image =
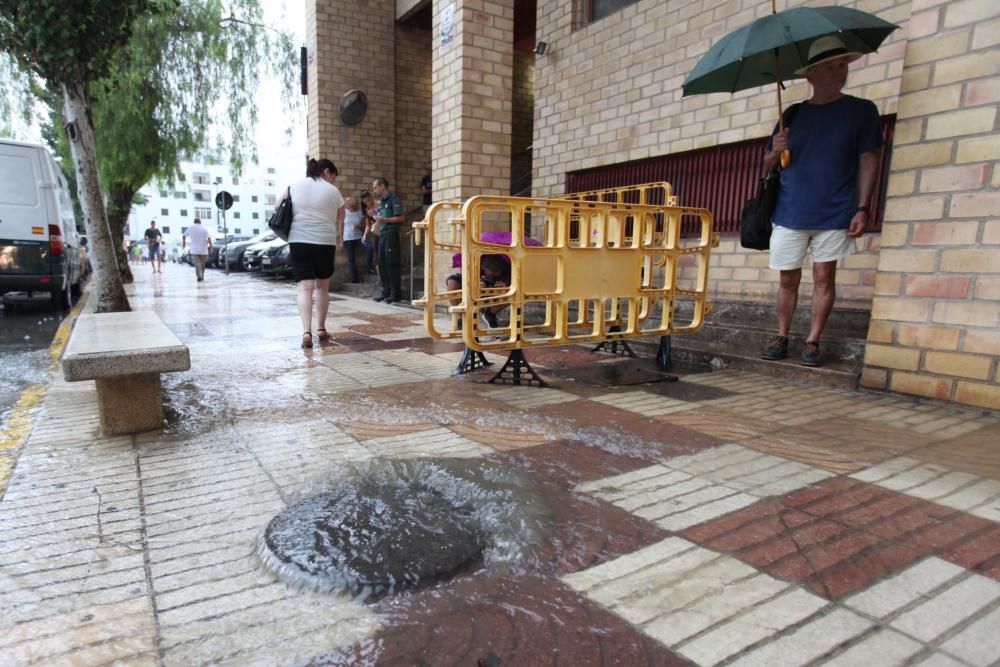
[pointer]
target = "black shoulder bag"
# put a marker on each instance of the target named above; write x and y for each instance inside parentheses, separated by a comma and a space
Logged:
(281, 221)
(755, 220)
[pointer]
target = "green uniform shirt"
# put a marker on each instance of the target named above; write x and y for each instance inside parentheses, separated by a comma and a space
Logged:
(390, 207)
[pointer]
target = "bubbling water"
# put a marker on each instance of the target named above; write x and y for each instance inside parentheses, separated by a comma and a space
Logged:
(388, 525)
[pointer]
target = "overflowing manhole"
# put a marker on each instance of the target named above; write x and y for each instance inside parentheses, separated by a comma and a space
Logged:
(387, 526)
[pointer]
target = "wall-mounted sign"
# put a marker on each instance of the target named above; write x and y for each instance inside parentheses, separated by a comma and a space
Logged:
(448, 23)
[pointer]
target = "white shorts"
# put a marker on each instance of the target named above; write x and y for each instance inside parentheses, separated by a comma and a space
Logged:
(789, 246)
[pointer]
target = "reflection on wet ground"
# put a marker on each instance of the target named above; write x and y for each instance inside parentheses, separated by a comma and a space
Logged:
(27, 326)
(663, 523)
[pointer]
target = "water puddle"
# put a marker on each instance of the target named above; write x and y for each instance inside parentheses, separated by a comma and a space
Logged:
(384, 526)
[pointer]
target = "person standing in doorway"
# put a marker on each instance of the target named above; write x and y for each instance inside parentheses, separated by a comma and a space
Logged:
(391, 218)
(425, 190)
(317, 226)
(354, 229)
(823, 201)
(201, 243)
(153, 237)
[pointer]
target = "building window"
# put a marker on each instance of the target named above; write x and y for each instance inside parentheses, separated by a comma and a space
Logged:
(202, 195)
(164, 211)
(253, 199)
(269, 200)
(184, 213)
(180, 195)
(269, 184)
(236, 215)
(201, 179)
(163, 193)
(166, 230)
(203, 213)
(256, 232)
(270, 170)
(236, 198)
(236, 181)
(184, 230)
(595, 10)
(237, 231)
(256, 215)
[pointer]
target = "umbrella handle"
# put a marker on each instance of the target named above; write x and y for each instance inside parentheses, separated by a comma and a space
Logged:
(786, 158)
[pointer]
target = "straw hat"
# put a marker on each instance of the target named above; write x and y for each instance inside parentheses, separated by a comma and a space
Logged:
(829, 47)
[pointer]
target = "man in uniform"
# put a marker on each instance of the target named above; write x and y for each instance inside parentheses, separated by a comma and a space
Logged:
(823, 201)
(391, 218)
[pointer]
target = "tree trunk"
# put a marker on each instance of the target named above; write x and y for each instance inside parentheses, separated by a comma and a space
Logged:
(120, 196)
(110, 290)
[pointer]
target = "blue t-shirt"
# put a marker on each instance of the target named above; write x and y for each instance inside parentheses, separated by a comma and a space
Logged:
(819, 188)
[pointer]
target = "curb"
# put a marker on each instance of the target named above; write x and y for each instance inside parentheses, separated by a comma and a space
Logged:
(22, 417)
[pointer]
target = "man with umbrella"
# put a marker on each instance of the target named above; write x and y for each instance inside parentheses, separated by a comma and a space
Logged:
(823, 201)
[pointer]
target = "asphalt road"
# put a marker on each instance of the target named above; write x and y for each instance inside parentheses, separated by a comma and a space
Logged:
(27, 327)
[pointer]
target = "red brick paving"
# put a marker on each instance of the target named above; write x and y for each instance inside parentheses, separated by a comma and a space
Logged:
(840, 536)
(487, 619)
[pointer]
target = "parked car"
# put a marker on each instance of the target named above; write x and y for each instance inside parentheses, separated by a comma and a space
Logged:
(276, 261)
(219, 243)
(40, 248)
(253, 254)
(233, 255)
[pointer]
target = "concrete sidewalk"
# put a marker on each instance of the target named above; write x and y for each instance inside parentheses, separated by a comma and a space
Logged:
(729, 518)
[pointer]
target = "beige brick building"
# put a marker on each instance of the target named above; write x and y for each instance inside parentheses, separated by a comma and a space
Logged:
(455, 85)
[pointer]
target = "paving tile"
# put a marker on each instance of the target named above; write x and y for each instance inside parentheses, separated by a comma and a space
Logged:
(977, 643)
(948, 608)
(643, 403)
(886, 647)
(757, 624)
(435, 442)
(973, 452)
(808, 642)
(889, 596)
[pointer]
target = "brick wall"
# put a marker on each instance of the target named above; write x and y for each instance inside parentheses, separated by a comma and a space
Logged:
(353, 42)
(413, 112)
(472, 79)
(611, 92)
(936, 309)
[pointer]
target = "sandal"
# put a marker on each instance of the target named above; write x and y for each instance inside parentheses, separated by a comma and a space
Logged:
(323, 335)
(307, 340)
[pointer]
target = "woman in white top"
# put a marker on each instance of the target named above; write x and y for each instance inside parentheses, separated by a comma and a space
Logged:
(354, 229)
(317, 226)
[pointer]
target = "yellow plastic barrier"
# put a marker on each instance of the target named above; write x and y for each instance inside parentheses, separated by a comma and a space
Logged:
(593, 275)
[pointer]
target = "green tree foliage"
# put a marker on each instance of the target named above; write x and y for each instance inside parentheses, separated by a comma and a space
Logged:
(186, 82)
(67, 47)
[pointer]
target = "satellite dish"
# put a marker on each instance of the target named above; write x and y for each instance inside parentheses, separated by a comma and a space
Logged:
(353, 107)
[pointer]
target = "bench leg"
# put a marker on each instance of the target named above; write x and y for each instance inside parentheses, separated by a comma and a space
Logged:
(130, 404)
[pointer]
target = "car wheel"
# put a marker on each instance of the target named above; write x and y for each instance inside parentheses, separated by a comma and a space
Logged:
(62, 299)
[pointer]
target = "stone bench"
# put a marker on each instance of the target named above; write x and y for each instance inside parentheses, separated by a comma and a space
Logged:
(125, 354)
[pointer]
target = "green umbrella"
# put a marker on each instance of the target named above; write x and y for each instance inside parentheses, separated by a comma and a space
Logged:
(773, 47)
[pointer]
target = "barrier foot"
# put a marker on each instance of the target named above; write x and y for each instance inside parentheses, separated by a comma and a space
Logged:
(620, 348)
(663, 360)
(471, 361)
(515, 367)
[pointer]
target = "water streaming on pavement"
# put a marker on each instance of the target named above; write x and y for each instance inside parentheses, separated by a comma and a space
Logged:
(383, 526)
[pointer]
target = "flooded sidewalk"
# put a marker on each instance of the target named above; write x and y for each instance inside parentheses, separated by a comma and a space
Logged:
(726, 518)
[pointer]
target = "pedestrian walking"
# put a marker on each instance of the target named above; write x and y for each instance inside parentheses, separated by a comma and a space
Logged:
(390, 219)
(823, 200)
(354, 229)
(317, 225)
(201, 243)
(153, 237)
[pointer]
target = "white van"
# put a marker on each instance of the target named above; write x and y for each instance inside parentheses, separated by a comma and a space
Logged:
(39, 244)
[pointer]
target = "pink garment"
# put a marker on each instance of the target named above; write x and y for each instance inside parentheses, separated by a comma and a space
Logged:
(499, 238)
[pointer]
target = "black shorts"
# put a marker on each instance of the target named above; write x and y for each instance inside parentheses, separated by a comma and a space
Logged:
(311, 261)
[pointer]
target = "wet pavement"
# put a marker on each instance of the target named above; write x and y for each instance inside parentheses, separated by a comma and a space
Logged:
(726, 518)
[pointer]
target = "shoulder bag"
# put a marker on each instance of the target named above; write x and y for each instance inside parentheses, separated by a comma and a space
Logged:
(755, 220)
(281, 221)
